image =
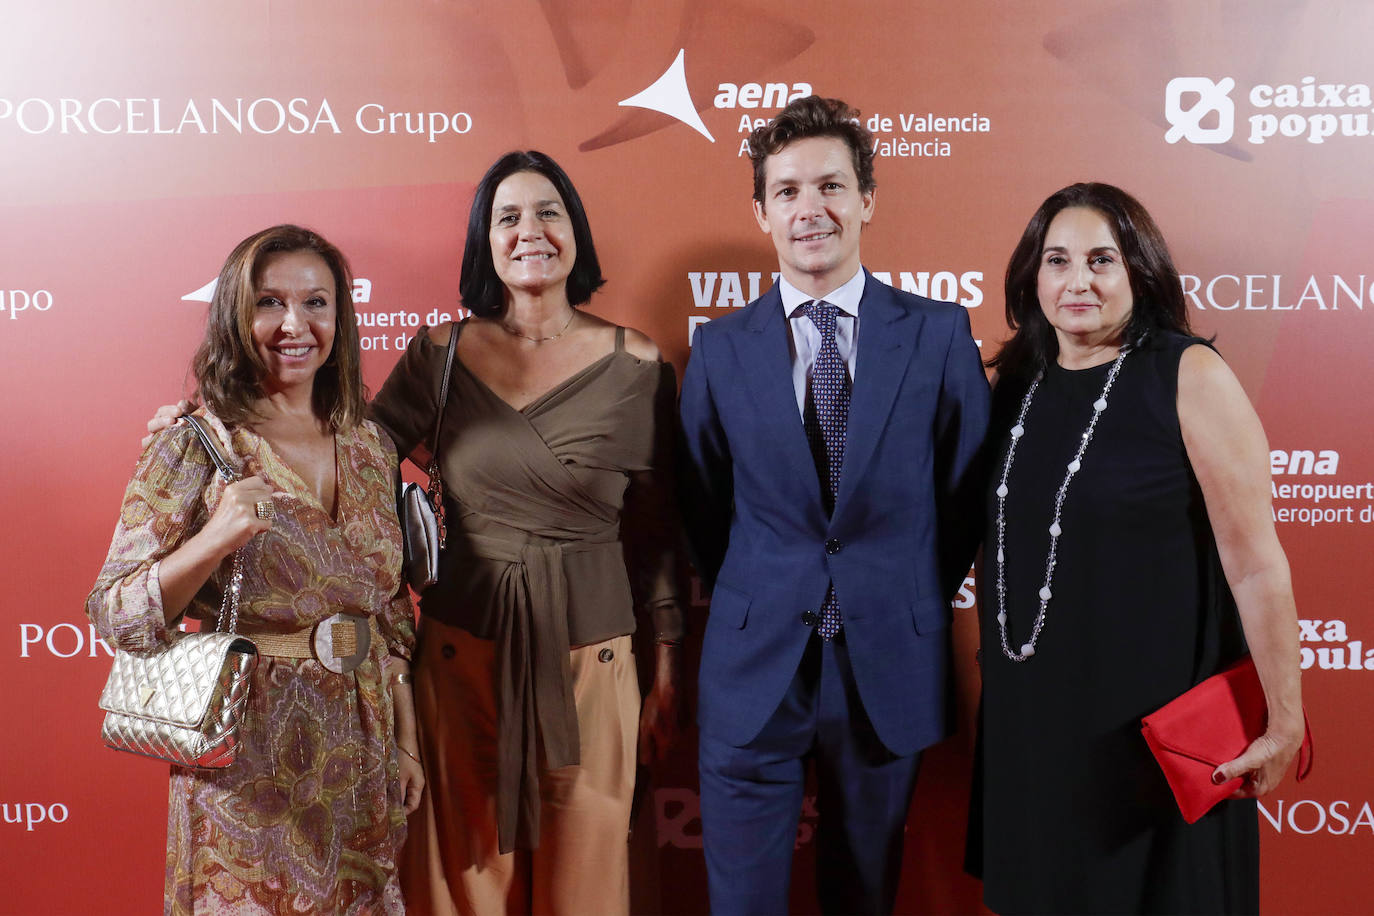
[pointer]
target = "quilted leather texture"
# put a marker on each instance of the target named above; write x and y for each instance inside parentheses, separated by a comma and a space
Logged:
(181, 703)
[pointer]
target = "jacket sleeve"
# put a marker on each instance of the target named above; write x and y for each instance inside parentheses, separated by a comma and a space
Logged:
(960, 456)
(705, 473)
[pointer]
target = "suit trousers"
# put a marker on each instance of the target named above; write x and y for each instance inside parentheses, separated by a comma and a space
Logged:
(751, 798)
(451, 865)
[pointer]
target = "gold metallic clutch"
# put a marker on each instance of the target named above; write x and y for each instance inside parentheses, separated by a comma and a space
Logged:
(182, 702)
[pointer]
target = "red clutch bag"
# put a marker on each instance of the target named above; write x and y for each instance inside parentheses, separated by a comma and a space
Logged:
(1207, 726)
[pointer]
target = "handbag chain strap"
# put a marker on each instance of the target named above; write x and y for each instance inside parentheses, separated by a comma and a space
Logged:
(435, 492)
(229, 474)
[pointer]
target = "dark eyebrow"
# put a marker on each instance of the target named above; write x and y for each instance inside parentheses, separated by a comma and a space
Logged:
(538, 203)
(1060, 249)
(272, 289)
(785, 180)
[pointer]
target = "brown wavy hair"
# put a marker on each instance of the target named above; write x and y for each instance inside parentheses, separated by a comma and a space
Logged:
(229, 373)
(813, 116)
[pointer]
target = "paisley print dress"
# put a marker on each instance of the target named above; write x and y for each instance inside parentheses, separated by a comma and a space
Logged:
(308, 819)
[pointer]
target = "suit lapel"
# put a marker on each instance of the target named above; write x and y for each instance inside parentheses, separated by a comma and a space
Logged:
(767, 364)
(887, 344)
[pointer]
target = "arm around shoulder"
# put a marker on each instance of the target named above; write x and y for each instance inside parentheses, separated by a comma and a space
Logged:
(407, 403)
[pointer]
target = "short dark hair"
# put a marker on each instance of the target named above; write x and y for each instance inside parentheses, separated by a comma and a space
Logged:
(1157, 295)
(480, 288)
(813, 116)
(229, 373)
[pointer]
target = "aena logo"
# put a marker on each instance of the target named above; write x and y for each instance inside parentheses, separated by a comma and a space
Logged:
(1205, 97)
(669, 95)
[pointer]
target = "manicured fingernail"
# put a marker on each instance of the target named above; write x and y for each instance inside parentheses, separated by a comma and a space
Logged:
(1217, 778)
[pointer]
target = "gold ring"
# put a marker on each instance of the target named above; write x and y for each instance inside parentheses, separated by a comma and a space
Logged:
(265, 510)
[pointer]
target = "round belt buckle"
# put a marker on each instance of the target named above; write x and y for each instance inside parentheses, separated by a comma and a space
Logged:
(330, 637)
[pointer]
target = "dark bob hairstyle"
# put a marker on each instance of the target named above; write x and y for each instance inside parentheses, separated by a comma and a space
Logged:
(230, 374)
(480, 288)
(1158, 303)
(813, 116)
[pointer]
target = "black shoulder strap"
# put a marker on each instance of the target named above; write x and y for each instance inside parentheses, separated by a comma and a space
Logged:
(454, 328)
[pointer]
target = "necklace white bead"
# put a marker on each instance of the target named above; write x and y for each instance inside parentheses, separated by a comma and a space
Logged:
(1017, 431)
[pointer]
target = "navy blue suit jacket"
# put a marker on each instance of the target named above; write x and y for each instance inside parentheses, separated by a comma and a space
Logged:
(904, 527)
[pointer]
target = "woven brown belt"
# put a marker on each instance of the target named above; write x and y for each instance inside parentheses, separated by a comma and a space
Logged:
(340, 642)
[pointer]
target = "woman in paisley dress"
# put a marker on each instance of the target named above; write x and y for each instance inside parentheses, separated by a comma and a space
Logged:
(558, 427)
(310, 817)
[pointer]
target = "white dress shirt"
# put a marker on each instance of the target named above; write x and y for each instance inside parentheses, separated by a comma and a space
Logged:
(804, 338)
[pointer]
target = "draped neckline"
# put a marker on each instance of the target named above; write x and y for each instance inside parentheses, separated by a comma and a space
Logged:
(554, 390)
(296, 486)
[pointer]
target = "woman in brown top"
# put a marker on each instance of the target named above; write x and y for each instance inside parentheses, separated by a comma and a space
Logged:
(557, 424)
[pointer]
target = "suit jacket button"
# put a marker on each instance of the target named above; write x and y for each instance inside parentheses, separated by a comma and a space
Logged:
(809, 618)
(832, 546)
(606, 655)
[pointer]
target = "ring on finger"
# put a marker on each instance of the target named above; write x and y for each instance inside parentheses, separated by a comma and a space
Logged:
(265, 509)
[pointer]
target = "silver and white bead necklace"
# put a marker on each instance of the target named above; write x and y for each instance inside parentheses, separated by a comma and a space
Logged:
(1017, 431)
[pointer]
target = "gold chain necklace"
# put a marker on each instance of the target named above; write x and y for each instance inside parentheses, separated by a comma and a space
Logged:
(517, 333)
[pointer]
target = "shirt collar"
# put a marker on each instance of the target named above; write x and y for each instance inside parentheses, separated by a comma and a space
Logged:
(845, 298)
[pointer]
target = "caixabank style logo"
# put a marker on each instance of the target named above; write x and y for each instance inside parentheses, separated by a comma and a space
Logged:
(1202, 110)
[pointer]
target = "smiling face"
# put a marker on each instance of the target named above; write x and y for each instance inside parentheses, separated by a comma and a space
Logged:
(532, 246)
(814, 211)
(294, 316)
(1082, 283)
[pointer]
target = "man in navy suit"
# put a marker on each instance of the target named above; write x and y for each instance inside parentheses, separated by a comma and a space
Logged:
(831, 495)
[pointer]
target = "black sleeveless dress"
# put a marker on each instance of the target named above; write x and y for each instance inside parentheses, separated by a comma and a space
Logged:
(1075, 815)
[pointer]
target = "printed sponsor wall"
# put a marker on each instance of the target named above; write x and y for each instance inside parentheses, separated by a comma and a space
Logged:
(141, 141)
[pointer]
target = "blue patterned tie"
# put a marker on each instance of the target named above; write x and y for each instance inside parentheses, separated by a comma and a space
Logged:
(827, 417)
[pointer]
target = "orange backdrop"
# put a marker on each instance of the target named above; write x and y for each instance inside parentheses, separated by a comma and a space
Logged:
(140, 141)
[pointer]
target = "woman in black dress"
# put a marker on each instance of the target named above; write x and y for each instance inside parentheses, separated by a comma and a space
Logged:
(1130, 554)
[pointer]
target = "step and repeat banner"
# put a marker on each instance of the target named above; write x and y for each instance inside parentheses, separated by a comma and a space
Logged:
(140, 141)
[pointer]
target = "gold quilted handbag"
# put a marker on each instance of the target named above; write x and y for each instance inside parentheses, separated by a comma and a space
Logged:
(183, 702)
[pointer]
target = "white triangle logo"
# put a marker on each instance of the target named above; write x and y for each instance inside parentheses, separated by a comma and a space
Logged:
(204, 294)
(669, 96)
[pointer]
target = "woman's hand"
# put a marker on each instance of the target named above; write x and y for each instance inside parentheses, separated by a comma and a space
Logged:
(166, 416)
(412, 777)
(183, 571)
(1263, 763)
(236, 519)
(660, 720)
(398, 676)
